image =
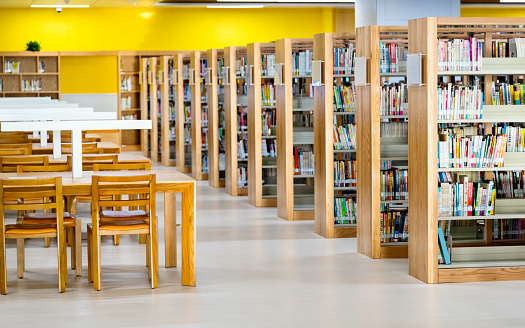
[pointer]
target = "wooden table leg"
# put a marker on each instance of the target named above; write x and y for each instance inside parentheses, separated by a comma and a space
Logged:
(170, 229)
(188, 236)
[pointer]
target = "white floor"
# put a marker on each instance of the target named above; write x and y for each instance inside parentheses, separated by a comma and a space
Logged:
(253, 270)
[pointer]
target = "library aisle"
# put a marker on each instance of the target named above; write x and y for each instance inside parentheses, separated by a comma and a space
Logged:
(254, 270)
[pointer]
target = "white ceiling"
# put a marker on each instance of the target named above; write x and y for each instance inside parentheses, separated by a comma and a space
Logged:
(92, 3)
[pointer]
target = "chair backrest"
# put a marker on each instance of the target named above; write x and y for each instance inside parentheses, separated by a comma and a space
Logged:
(142, 185)
(10, 163)
(90, 147)
(14, 151)
(13, 137)
(28, 146)
(49, 188)
(43, 168)
(122, 167)
(89, 160)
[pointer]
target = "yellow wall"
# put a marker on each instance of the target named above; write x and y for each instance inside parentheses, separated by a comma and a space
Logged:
(93, 74)
(157, 28)
(492, 12)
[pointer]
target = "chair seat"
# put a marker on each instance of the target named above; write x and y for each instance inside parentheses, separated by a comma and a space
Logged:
(48, 218)
(121, 226)
(124, 215)
(24, 199)
(21, 229)
(88, 198)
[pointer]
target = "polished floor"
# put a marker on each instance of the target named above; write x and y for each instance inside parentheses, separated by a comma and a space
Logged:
(253, 270)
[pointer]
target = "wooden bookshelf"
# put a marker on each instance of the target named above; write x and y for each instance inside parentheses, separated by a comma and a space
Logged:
(199, 116)
(182, 121)
(484, 260)
(262, 180)
(235, 102)
(167, 117)
(325, 155)
(295, 192)
(129, 102)
(26, 78)
(215, 117)
(149, 107)
(372, 149)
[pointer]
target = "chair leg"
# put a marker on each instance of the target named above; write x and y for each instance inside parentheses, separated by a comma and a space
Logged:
(70, 236)
(78, 248)
(116, 240)
(148, 255)
(20, 257)
(142, 239)
(90, 254)
(3, 265)
(47, 242)
(152, 264)
(62, 260)
(96, 258)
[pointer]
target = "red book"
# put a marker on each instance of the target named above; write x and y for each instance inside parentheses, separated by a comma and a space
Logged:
(470, 198)
(296, 155)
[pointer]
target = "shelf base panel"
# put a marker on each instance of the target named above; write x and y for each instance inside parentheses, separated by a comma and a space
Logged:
(394, 252)
(345, 233)
(303, 215)
(481, 274)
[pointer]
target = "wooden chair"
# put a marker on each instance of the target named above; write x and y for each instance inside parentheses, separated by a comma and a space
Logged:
(124, 167)
(30, 188)
(89, 147)
(114, 222)
(14, 152)
(89, 160)
(13, 137)
(43, 168)
(10, 163)
(28, 146)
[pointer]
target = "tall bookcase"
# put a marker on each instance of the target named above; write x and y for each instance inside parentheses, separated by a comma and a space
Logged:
(215, 91)
(199, 115)
(30, 74)
(483, 258)
(329, 114)
(382, 143)
(235, 125)
(262, 134)
(167, 113)
(129, 103)
(295, 131)
(182, 113)
(149, 107)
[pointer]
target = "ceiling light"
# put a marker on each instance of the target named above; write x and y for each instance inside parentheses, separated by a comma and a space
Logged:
(515, 1)
(59, 6)
(235, 7)
(315, 1)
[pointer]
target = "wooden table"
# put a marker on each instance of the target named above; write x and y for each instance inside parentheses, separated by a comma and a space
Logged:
(108, 148)
(169, 183)
(123, 158)
(89, 137)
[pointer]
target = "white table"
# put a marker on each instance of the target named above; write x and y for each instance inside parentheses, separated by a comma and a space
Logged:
(76, 128)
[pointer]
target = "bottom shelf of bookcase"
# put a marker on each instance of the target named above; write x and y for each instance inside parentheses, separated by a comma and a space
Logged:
(345, 232)
(394, 251)
(299, 215)
(478, 274)
(269, 201)
(242, 191)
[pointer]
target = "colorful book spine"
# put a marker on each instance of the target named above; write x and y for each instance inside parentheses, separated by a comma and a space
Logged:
(345, 209)
(345, 174)
(457, 102)
(344, 98)
(393, 98)
(303, 162)
(394, 226)
(344, 59)
(345, 137)
(479, 151)
(460, 55)
(394, 184)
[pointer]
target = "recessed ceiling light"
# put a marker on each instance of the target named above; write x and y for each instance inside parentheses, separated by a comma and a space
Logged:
(235, 7)
(59, 6)
(515, 1)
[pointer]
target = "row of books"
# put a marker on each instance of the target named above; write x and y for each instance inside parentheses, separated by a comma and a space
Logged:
(508, 229)
(394, 226)
(186, 71)
(393, 98)
(471, 152)
(302, 62)
(204, 138)
(344, 98)
(41, 66)
(345, 174)
(240, 66)
(242, 149)
(126, 84)
(186, 89)
(220, 68)
(344, 119)
(204, 163)
(394, 184)
(31, 85)
(459, 102)
(394, 129)
(344, 59)
(268, 95)
(460, 197)
(1, 85)
(269, 121)
(242, 119)
(269, 148)
(187, 114)
(187, 135)
(386, 165)
(130, 117)
(508, 94)
(515, 137)
(204, 92)
(515, 47)
(345, 210)
(390, 54)
(204, 115)
(267, 65)
(125, 102)
(303, 161)
(460, 55)
(172, 133)
(510, 184)
(11, 67)
(204, 66)
(242, 177)
(345, 137)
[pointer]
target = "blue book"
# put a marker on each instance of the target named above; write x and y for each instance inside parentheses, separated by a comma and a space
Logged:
(443, 247)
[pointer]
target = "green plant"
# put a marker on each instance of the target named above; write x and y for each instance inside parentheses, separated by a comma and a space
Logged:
(33, 46)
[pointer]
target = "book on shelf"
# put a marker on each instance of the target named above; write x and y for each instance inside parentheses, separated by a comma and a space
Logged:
(269, 121)
(240, 67)
(267, 65)
(172, 133)
(303, 161)
(510, 184)
(204, 65)
(204, 139)
(460, 55)
(220, 67)
(390, 54)
(41, 66)
(186, 71)
(126, 84)
(344, 98)
(130, 117)
(394, 129)
(242, 149)
(269, 148)
(125, 103)
(302, 63)
(345, 209)
(1, 85)
(508, 94)
(386, 165)
(459, 102)
(187, 92)
(11, 67)
(394, 184)
(242, 120)
(345, 174)
(205, 163)
(515, 47)
(344, 137)
(505, 229)
(344, 59)
(31, 85)
(187, 114)
(393, 97)
(187, 135)
(204, 115)
(477, 151)
(242, 177)
(268, 95)
(394, 226)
